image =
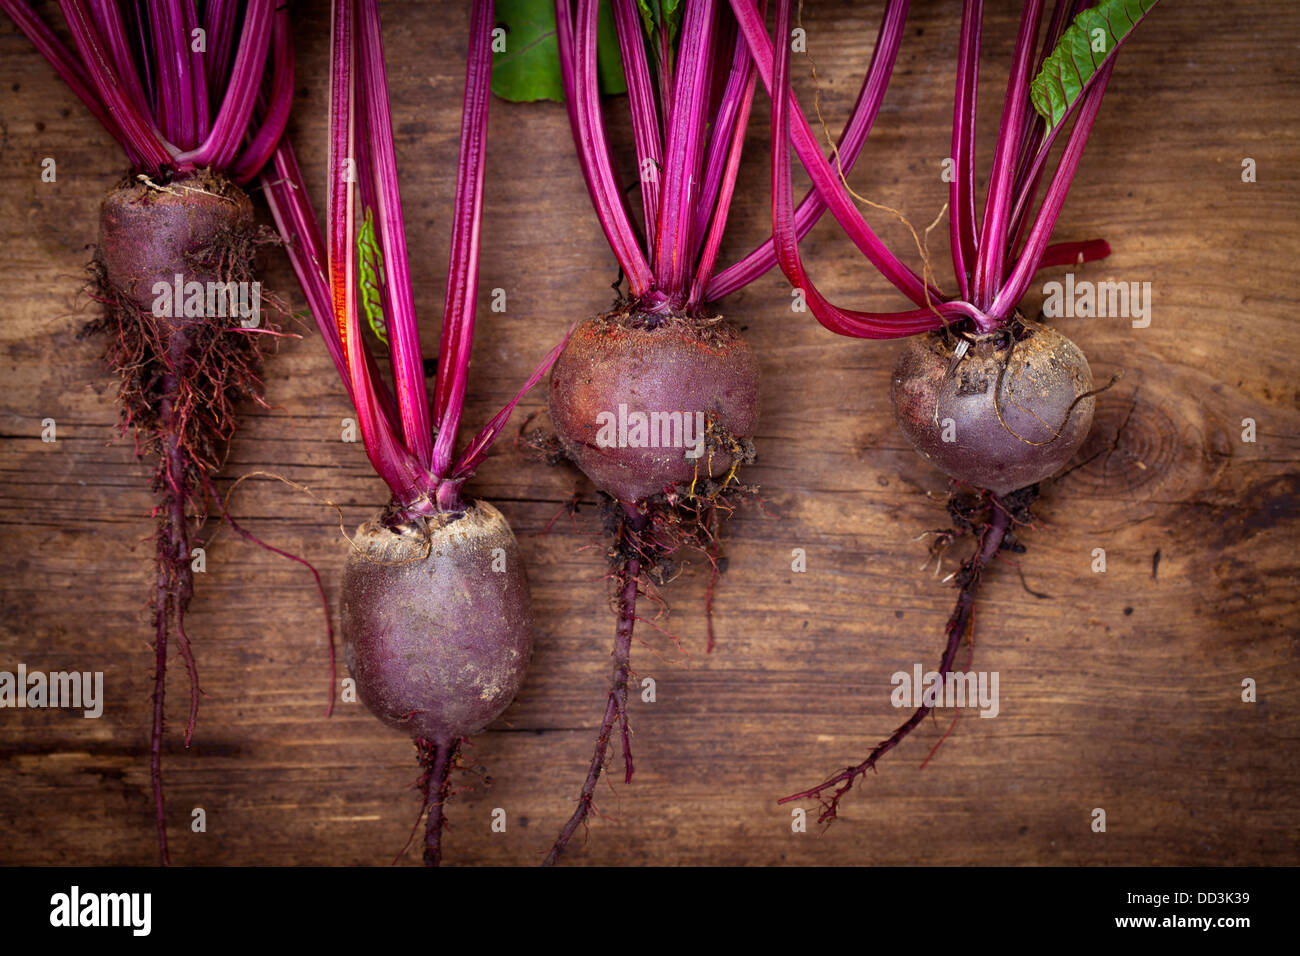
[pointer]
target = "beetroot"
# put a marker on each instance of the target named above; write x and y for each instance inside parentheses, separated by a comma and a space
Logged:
(174, 264)
(150, 234)
(653, 406)
(692, 379)
(436, 622)
(657, 400)
(437, 632)
(181, 375)
(998, 403)
(435, 606)
(1008, 413)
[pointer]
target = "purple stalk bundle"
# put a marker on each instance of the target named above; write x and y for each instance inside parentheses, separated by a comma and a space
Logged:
(198, 104)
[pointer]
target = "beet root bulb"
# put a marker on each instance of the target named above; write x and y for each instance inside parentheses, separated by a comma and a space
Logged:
(642, 403)
(192, 227)
(1008, 413)
(436, 621)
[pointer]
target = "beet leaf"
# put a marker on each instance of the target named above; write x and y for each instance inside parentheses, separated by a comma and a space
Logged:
(528, 69)
(1091, 40)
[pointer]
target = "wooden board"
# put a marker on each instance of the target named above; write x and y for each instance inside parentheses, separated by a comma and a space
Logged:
(1119, 690)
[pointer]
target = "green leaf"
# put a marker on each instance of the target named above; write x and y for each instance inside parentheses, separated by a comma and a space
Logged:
(1086, 45)
(528, 68)
(609, 60)
(370, 263)
(653, 12)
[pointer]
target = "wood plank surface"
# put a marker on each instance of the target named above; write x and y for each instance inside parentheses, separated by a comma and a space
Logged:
(1120, 690)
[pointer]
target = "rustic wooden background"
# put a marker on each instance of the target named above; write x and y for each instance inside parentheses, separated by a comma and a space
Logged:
(1119, 690)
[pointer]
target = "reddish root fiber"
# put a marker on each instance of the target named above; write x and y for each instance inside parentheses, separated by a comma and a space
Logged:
(175, 581)
(616, 702)
(646, 539)
(161, 602)
(174, 373)
(993, 524)
(715, 571)
(437, 760)
(633, 559)
(320, 586)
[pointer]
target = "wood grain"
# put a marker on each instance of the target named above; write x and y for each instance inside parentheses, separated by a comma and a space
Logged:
(1119, 690)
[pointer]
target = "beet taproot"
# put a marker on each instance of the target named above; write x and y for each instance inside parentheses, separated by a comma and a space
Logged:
(1008, 413)
(692, 379)
(436, 621)
(149, 234)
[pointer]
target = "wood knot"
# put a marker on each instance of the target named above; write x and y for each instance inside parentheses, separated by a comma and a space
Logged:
(1132, 447)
